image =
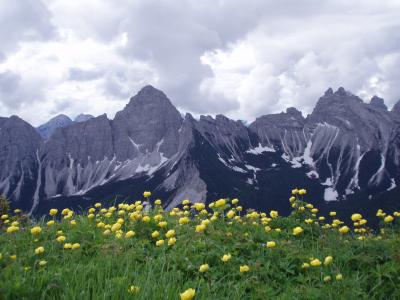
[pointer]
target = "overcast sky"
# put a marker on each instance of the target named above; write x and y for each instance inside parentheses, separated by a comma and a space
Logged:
(241, 58)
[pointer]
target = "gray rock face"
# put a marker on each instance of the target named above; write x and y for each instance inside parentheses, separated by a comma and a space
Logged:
(82, 118)
(284, 131)
(335, 140)
(19, 143)
(84, 155)
(48, 128)
(147, 122)
(378, 103)
(343, 146)
(396, 108)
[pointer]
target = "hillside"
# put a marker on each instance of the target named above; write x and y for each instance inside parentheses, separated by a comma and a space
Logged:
(195, 251)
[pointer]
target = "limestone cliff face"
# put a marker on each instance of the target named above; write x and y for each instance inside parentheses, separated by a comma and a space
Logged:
(344, 147)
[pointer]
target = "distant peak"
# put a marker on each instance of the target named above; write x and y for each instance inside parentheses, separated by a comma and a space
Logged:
(149, 94)
(378, 103)
(329, 92)
(293, 111)
(341, 91)
(149, 89)
(83, 117)
(396, 107)
(60, 118)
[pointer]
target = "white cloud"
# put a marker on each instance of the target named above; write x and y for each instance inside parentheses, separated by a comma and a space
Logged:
(241, 58)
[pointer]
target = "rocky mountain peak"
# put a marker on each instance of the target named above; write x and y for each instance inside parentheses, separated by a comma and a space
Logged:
(48, 128)
(328, 92)
(396, 107)
(150, 120)
(378, 103)
(294, 112)
(83, 117)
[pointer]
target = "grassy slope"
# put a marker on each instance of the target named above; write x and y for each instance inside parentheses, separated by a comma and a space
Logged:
(105, 267)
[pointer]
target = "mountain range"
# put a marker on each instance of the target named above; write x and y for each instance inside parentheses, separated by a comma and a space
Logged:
(346, 153)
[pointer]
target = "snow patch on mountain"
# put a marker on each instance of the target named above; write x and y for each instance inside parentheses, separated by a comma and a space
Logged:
(260, 149)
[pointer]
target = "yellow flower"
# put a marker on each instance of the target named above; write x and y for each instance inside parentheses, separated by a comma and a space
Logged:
(171, 241)
(116, 227)
(271, 244)
(157, 202)
(185, 202)
(107, 232)
(39, 250)
(17, 211)
(97, 205)
(12, 229)
(302, 192)
(244, 269)
(146, 194)
(160, 243)
(73, 222)
(339, 277)
(205, 222)
(327, 278)
(226, 257)
(65, 211)
(53, 211)
(13, 257)
(75, 246)
(356, 217)
(170, 233)
(183, 220)
(328, 260)
(315, 262)
(42, 263)
(363, 222)
(36, 230)
(235, 201)
(314, 210)
(162, 224)
(90, 216)
(130, 234)
(344, 229)
(204, 268)
(61, 239)
(220, 203)
(309, 221)
(199, 206)
(305, 265)
(146, 219)
(133, 289)
(188, 294)
(388, 219)
(295, 191)
(332, 213)
(274, 214)
(50, 223)
(67, 246)
(297, 230)
(200, 228)
(155, 234)
(230, 214)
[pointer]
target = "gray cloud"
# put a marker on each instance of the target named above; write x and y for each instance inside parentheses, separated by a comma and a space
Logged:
(23, 20)
(14, 91)
(83, 75)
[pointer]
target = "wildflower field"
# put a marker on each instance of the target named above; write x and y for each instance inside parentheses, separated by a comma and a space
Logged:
(194, 251)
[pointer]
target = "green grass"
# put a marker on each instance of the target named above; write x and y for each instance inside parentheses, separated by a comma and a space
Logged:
(104, 267)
